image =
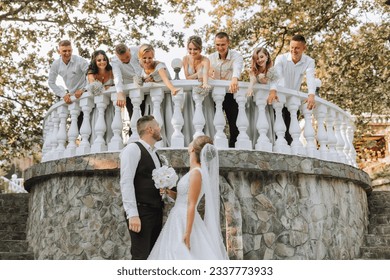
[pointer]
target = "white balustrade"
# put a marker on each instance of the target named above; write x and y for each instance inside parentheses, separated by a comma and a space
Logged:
(136, 96)
(116, 142)
(199, 120)
(263, 143)
(220, 139)
(99, 143)
(73, 131)
(281, 145)
(157, 96)
(309, 131)
(327, 132)
(242, 123)
(61, 135)
(177, 139)
(322, 135)
(293, 105)
(86, 105)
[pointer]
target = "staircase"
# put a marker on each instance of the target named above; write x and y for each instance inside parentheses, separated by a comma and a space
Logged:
(13, 223)
(377, 241)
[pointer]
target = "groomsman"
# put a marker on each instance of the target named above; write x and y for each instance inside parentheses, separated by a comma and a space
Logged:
(73, 70)
(125, 66)
(227, 64)
(141, 199)
(291, 68)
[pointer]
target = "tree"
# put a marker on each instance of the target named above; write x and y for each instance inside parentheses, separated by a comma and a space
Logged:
(29, 29)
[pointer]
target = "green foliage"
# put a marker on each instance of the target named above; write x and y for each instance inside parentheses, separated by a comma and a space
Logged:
(28, 27)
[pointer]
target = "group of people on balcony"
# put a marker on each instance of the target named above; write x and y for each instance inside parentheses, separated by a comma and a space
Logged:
(138, 65)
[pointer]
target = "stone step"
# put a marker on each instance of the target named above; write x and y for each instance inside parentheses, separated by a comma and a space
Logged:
(379, 219)
(379, 229)
(22, 226)
(12, 218)
(13, 246)
(17, 256)
(375, 253)
(12, 235)
(377, 240)
(379, 210)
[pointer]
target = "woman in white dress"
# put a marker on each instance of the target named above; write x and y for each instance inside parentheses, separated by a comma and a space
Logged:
(263, 72)
(196, 67)
(100, 78)
(185, 234)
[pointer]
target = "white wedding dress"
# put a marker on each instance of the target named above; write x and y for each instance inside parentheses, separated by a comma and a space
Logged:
(170, 244)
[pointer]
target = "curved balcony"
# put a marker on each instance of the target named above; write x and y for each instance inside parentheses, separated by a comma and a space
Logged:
(324, 133)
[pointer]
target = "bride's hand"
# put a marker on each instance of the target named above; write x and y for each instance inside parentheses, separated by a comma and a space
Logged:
(187, 241)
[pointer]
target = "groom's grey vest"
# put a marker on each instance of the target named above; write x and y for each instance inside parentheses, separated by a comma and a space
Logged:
(146, 193)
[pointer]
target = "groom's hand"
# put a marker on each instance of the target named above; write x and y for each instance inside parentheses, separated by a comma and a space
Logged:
(135, 224)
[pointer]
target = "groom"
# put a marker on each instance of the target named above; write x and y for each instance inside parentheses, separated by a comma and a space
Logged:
(141, 199)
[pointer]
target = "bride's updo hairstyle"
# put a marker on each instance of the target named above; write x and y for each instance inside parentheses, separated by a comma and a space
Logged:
(198, 144)
(145, 48)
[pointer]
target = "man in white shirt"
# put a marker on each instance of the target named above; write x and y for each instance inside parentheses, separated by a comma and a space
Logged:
(73, 70)
(227, 64)
(291, 67)
(141, 199)
(125, 66)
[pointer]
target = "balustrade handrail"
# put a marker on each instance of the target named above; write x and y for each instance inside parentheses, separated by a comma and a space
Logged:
(325, 132)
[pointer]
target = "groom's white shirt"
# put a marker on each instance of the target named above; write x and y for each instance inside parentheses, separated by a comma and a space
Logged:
(130, 157)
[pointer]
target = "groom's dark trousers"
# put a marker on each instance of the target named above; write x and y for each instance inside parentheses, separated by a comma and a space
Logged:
(149, 206)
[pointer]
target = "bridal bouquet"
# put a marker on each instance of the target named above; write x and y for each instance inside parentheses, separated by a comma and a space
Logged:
(96, 88)
(164, 178)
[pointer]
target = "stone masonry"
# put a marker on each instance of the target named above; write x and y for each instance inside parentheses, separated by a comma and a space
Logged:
(273, 207)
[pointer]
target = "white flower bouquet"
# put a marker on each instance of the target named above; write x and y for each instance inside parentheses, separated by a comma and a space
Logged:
(96, 88)
(165, 178)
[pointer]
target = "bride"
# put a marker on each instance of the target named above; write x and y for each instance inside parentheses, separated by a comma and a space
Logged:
(185, 235)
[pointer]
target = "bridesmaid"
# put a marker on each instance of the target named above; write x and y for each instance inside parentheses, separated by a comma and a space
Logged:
(100, 78)
(263, 72)
(196, 67)
(156, 71)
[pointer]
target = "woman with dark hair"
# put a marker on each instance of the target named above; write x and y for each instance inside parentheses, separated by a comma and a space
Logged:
(263, 72)
(100, 78)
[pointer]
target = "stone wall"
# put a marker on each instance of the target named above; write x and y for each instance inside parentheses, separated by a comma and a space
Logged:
(274, 207)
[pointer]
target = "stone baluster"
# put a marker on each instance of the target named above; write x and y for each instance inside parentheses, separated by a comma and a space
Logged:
(309, 132)
(99, 144)
(343, 130)
(293, 104)
(332, 140)
(54, 143)
(340, 141)
(73, 131)
(177, 139)
(116, 142)
(136, 97)
(220, 139)
(322, 136)
(198, 120)
(243, 141)
(263, 143)
(86, 104)
(61, 135)
(352, 151)
(48, 137)
(281, 145)
(157, 96)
